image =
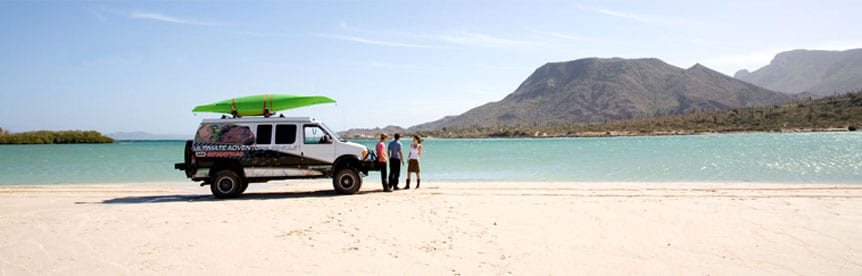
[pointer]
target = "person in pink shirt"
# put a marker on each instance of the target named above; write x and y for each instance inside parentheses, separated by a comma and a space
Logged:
(381, 161)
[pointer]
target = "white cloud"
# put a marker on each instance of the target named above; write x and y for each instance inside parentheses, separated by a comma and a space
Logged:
(98, 13)
(344, 26)
(484, 40)
(392, 66)
(166, 18)
(632, 16)
(256, 34)
(432, 40)
(505, 67)
(373, 42)
(400, 66)
(565, 36)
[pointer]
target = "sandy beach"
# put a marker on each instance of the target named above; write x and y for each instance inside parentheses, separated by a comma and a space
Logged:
(301, 227)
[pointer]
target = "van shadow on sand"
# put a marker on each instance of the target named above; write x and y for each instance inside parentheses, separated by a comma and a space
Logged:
(246, 196)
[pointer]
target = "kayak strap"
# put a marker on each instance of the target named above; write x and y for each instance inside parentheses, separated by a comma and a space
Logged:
(265, 111)
(264, 104)
(233, 108)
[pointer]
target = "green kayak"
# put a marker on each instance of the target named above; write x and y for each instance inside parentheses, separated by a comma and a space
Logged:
(261, 104)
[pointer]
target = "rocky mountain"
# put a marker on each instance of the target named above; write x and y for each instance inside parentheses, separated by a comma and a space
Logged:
(821, 73)
(598, 89)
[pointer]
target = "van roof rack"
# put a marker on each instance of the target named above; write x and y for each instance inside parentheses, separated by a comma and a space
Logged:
(280, 117)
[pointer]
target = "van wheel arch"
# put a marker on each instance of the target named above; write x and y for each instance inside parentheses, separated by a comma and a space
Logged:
(227, 165)
(345, 161)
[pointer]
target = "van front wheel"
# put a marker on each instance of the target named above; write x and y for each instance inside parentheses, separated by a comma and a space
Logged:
(347, 181)
(226, 184)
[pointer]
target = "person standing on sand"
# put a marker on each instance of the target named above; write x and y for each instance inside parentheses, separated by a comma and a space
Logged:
(396, 159)
(381, 161)
(413, 163)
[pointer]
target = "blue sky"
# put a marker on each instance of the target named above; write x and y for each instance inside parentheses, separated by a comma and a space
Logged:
(142, 66)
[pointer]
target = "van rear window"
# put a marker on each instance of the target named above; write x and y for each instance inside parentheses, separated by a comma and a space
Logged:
(285, 134)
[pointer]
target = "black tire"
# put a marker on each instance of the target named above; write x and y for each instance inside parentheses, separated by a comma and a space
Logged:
(347, 181)
(244, 186)
(187, 154)
(187, 159)
(226, 184)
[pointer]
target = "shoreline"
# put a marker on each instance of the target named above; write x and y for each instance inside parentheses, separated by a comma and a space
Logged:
(589, 134)
(372, 182)
(443, 228)
(599, 134)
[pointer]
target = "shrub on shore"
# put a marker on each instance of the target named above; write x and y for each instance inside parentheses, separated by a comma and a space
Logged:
(54, 137)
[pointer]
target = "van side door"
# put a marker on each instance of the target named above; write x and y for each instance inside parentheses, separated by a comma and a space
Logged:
(286, 147)
(262, 155)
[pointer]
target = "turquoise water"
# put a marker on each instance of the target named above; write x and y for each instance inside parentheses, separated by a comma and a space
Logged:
(91, 163)
(772, 158)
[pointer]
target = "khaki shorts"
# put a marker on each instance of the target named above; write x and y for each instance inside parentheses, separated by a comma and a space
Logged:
(413, 166)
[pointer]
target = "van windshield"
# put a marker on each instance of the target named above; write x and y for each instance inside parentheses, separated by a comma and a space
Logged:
(333, 133)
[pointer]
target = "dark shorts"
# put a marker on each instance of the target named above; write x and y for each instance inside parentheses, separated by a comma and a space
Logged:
(413, 166)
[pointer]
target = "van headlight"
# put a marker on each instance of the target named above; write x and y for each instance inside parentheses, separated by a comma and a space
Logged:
(364, 154)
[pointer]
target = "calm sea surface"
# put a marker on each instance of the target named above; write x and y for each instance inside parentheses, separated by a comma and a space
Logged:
(774, 158)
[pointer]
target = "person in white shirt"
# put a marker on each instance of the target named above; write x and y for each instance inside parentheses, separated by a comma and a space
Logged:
(413, 162)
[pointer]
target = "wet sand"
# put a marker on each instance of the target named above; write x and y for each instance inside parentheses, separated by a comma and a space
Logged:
(444, 228)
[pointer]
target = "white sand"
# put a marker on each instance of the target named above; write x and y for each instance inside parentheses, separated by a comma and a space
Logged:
(444, 228)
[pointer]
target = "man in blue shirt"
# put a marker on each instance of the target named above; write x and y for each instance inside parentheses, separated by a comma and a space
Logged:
(396, 159)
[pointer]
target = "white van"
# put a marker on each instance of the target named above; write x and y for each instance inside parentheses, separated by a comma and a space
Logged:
(230, 153)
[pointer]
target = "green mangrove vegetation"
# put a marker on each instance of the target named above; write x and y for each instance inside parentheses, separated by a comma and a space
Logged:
(54, 137)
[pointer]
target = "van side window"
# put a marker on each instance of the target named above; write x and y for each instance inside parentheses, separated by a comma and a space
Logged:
(264, 134)
(315, 135)
(285, 134)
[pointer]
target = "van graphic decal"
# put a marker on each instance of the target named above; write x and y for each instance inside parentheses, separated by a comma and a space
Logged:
(225, 133)
(225, 154)
(252, 155)
(222, 147)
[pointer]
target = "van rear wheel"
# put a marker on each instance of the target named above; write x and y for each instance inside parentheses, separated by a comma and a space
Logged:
(226, 184)
(347, 181)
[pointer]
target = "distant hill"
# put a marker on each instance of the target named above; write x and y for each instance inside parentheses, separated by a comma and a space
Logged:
(821, 73)
(834, 113)
(598, 89)
(371, 133)
(140, 135)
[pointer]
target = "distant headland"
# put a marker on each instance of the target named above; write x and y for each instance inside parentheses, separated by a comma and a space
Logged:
(54, 137)
(835, 113)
